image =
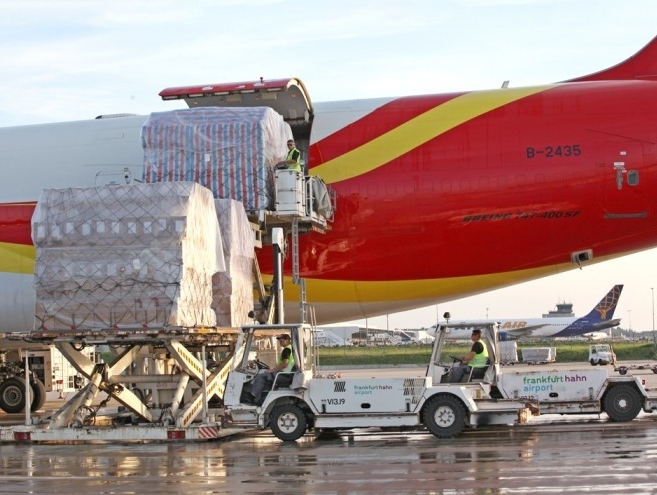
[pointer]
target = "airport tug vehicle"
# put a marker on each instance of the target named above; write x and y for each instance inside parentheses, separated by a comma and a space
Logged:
(305, 399)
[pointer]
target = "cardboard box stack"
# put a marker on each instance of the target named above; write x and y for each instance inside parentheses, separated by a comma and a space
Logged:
(126, 256)
(231, 151)
(233, 289)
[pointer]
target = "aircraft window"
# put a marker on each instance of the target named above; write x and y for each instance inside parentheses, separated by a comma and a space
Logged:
(633, 177)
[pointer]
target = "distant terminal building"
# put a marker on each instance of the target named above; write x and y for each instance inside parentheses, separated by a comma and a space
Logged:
(563, 309)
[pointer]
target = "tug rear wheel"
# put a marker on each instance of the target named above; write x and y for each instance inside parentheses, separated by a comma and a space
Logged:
(288, 422)
(622, 403)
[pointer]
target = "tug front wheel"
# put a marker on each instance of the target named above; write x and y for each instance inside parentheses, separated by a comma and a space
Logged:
(444, 416)
(288, 422)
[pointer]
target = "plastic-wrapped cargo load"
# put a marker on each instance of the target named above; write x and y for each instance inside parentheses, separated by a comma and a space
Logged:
(508, 352)
(125, 256)
(231, 151)
(233, 289)
(539, 355)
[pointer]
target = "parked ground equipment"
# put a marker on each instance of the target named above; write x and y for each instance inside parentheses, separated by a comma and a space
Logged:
(601, 354)
(508, 352)
(623, 369)
(539, 355)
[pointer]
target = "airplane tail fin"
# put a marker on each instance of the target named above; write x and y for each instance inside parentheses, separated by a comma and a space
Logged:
(642, 66)
(604, 310)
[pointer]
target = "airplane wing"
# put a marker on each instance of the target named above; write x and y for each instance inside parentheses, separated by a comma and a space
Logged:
(516, 333)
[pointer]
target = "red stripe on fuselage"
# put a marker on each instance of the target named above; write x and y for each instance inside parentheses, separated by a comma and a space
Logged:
(15, 223)
(373, 125)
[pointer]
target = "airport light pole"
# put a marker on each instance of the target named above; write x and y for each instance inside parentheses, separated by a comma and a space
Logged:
(629, 311)
(654, 337)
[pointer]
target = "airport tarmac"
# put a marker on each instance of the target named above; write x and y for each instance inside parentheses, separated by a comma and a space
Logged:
(573, 454)
(582, 457)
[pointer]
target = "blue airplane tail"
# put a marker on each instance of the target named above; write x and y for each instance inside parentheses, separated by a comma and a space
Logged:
(604, 310)
(600, 317)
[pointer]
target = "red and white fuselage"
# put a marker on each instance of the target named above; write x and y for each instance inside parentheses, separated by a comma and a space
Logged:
(439, 196)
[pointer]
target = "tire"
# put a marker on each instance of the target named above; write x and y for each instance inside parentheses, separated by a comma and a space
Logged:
(12, 395)
(622, 403)
(622, 371)
(444, 416)
(288, 422)
(592, 362)
(38, 394)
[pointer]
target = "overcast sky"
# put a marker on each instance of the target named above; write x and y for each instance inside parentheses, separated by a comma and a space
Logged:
(74, 59)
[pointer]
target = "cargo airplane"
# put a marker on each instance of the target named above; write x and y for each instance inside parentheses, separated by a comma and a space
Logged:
(599, 318)
(439, 196)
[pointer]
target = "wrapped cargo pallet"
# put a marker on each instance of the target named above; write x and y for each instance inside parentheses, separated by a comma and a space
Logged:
(125, 256)
(233, 289)
(231, 151)
(508, 352)
(539, 355)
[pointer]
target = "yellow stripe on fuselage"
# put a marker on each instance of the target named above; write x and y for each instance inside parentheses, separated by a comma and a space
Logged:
(17, 258)
(343, 291)
(418, 131)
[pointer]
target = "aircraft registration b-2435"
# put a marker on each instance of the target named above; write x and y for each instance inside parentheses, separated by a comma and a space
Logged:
(439, 196)
(599, 318)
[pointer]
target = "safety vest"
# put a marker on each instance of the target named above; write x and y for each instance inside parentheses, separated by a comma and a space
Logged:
(290, 360)
(297, 163)
(480, 360)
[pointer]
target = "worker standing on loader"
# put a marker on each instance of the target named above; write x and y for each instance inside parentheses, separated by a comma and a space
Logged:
(293, 159)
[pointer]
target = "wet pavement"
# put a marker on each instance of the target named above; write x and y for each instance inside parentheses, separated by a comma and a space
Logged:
(585, 457)
(553, 454)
